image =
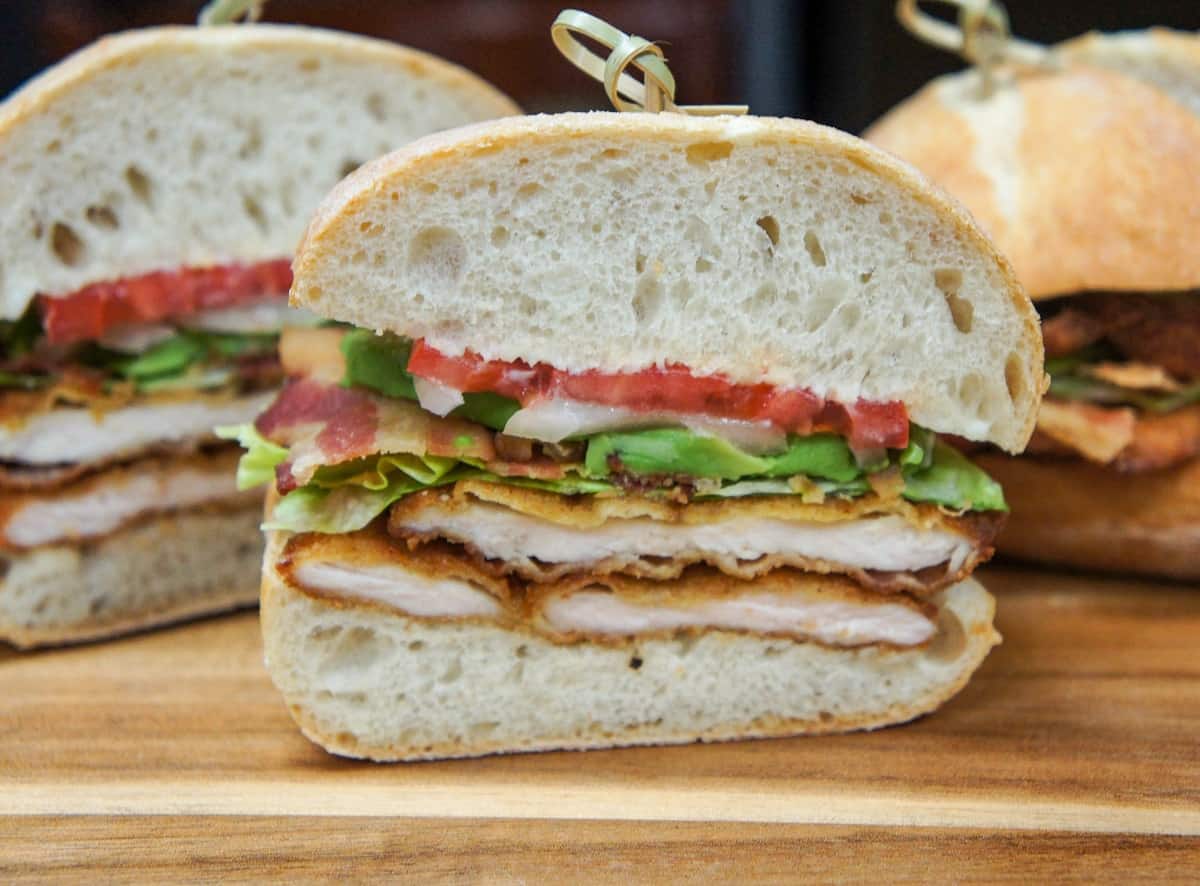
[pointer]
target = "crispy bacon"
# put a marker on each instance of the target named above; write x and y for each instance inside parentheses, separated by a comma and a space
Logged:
(1134, 376)
(327, 424)
(1148, 441)
(1097, 432)
(89, 313)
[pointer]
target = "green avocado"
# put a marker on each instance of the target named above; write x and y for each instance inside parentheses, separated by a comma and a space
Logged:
(380, 363)
(951, 480)
(820, 455)
(670, 451)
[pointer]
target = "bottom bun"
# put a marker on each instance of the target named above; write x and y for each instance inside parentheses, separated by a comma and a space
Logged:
(167, 569)
(1072, 513)
(362, 681)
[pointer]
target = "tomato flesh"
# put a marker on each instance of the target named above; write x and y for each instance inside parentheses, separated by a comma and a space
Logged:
(161, 295)
(671, 388)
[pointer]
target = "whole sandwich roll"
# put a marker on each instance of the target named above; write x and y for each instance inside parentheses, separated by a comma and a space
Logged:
(1085, 175)
(627, 434)
(153, 187)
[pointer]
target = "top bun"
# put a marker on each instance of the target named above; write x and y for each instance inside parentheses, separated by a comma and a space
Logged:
(172, 147)
(766, 250)
(1085, 177)
(1170, 60)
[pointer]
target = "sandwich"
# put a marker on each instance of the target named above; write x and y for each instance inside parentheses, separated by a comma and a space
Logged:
(1084, 175)
(627, 433)
(153, 188)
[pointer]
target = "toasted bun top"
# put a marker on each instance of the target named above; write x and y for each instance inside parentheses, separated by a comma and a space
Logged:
(1086, 178)
(766, 250)
(1167, 59)
(175, 147)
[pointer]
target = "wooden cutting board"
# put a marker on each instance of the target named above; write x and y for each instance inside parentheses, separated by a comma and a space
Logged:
(1075, 748)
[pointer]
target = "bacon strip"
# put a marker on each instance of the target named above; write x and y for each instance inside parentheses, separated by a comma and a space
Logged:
(1134, 376)
(1152, 442)
(327, 424)
(1097, 433)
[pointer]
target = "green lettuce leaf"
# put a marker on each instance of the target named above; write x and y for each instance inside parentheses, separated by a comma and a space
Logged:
(1069, 380)
(572, 484)
(378, 472)
(952, 481)
(170, 357)
(17, 337)
(1093, 390)
(347, 497)
(933, 472)
(347, 508)
(188, 360)
(22, 381)
(257, 464)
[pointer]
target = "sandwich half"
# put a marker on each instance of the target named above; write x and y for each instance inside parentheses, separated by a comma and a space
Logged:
(153, 188)
(627, 433)
(1086, 177)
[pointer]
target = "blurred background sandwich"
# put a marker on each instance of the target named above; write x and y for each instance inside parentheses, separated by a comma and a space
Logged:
(152, 189)
(1084, 168)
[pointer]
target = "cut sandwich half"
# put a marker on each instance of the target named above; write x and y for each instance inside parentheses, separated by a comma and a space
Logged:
(627, 433)
(154, 186)
(1086, 177)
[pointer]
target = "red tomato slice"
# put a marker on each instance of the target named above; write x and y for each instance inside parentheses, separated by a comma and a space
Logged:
(161, 295)
(671, 388)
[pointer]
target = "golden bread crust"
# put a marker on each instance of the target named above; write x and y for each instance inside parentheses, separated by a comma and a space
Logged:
(1099, 181)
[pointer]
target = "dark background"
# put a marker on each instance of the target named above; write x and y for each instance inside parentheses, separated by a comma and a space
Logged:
(842, 62)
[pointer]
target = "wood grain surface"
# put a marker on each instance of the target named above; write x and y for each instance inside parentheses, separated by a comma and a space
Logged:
(1080, 731)
(134, 849)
